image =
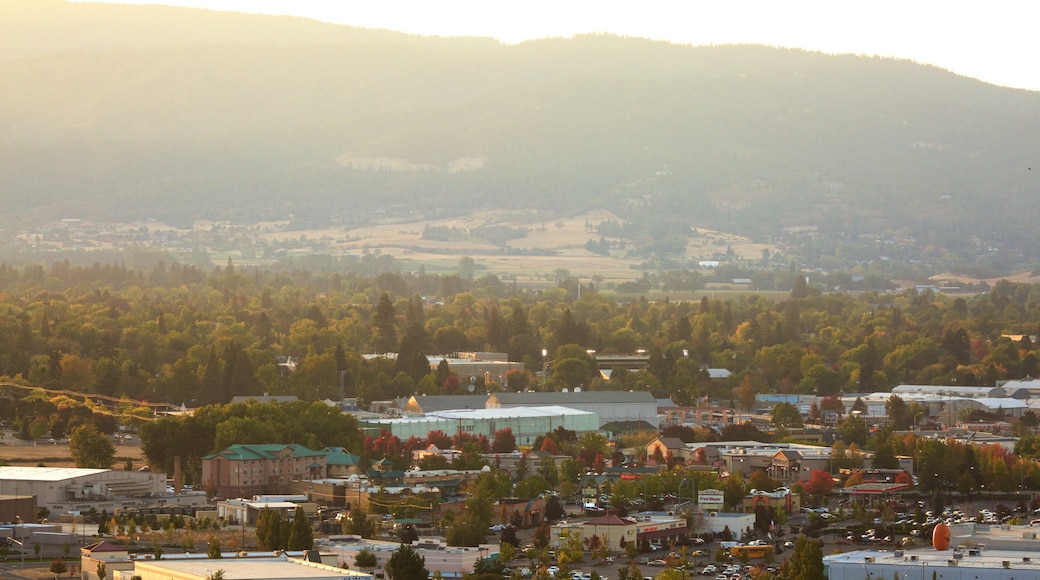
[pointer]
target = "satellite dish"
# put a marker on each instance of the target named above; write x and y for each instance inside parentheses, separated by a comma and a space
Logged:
(577, 389)
(564, 390)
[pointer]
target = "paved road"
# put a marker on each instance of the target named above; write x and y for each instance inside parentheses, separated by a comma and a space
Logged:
(10, 570)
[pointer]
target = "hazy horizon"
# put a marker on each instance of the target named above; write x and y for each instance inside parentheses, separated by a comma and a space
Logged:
(996, 45)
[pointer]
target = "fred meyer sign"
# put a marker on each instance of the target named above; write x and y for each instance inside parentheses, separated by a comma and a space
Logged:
(710, 496)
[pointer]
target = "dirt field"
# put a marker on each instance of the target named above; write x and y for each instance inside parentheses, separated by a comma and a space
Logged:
(562, 237)
(49, 455)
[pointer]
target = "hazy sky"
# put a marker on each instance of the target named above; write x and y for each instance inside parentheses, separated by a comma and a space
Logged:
(995, 41)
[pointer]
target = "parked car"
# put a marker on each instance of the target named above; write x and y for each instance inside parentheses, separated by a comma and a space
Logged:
(709, 569)
(657, 563)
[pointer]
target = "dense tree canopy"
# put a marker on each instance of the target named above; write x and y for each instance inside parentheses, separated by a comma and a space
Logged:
(91, 449)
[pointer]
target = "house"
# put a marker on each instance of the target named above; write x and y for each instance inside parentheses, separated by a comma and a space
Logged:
(341, 463)
(664, 449)
(115, 557)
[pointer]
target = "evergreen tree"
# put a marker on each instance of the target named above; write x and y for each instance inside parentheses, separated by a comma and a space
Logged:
(269, 530)
(365, 559)
(212, 382)
(415, 324)
(806, 561)
(406, 564)
(411, 360)
(243, 381)
(359, 524)
(384, 326)
(301, 535)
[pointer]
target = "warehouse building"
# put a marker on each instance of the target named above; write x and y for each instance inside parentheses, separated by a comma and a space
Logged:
(65, 490)
(957, 564)
(527, 423)
(609, 406)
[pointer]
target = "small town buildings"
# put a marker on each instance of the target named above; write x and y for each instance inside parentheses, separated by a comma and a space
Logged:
(787, 462)
(490, 366)
(240, 510)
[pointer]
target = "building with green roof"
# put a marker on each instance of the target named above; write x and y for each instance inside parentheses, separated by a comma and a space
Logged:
(247, 470)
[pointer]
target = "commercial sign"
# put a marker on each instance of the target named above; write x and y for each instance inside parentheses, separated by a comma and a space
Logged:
(710, 496)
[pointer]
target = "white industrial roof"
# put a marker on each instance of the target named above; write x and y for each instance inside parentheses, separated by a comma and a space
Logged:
(1021, 562)
(245, 568)
(24, 473)
(509, 412)
(496, 413)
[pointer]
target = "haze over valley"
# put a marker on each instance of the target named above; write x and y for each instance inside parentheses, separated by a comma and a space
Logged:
(286, 128)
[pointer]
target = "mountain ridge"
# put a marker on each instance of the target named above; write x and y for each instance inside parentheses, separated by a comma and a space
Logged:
(745, 138)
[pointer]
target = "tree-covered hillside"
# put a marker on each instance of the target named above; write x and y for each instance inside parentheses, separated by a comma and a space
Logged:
(181, 114)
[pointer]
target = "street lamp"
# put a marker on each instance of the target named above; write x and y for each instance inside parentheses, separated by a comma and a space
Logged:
(21, 535)
(919, 413)
(545, 368)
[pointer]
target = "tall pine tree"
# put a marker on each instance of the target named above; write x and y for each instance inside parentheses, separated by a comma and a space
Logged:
(384, 326)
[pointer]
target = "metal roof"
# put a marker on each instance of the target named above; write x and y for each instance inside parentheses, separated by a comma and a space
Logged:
(486, 414)
(582, 397)
(246, 568)
(24, 473)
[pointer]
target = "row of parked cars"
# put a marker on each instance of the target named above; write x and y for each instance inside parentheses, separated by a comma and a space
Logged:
(731, 571)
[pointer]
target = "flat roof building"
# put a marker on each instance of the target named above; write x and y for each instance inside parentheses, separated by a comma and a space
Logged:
(609, 406)
(451, 562)
(954, 564)
(527, 423)
(272, 568)
(65, 489)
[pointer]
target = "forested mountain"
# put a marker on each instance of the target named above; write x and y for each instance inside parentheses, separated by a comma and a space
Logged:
(121, 113)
